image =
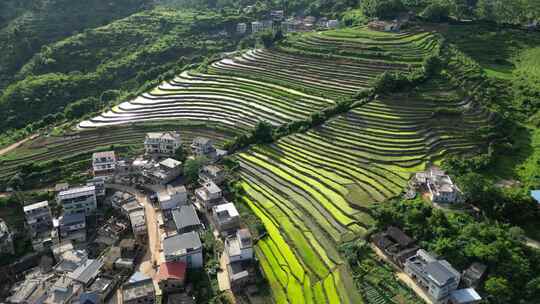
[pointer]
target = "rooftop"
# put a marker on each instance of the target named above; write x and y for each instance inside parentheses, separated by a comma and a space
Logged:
(166, 194)
(399, 236)
(201, 141)
(107, 154)
(170, 163)
(211, 187)
(84, 190)
(61, 187)
(138, 277)
(228, 208)
(465, 296)
(101, 284)
(170, 135)
(181, 243)
(172, 270)
(185, 216)
(35, 206)
(536, 195)
(87, 271)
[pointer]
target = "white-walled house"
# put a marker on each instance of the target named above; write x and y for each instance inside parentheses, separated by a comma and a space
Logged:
(240, 246)
(208, 195)
(185, 248)
(104, 164)
(162, 143)
(38, 217)
(78, 200)
(171, 198)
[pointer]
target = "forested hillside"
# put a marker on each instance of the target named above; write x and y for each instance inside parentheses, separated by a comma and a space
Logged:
(26, 26)
(90, 69)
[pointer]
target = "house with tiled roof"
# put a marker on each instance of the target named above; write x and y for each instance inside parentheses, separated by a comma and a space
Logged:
(171, 276)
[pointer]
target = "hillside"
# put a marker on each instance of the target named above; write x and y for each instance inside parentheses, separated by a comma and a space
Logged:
(27, 26)
(90, 70)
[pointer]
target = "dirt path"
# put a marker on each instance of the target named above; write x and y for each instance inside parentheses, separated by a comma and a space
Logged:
(14, 146)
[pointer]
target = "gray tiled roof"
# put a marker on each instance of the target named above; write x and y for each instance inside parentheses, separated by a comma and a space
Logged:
(185, 216)
(441, 272)
(181, 242)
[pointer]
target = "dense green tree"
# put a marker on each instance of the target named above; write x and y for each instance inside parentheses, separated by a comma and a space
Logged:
(192, 168)
(499, 289)
(382, 8)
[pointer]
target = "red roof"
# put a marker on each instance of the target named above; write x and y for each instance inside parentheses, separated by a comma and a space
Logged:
(172, 270)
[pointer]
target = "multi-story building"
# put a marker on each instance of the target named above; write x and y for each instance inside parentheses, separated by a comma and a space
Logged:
(139, 289)
(186, 219)
(104, 164)
(162, 143)
(171, 276)
(208, 195)
(257, 26)
(226, 217)
(165, 171)
(6, 239)
(78, 200)
(240, 246)
(72, 226)
(99, 184)
(138, 223)
(202, 146)
(212, 173)
(185, 248)
(38, 217)
(440, 187)
(437, 277)
(241, 28)
(171, 198)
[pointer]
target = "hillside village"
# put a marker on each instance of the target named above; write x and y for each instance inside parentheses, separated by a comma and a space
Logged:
(356, 152)
(153, 238)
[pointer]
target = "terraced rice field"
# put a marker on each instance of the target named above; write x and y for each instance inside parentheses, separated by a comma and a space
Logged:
(81, 145)
(313, 190)
(278, 85)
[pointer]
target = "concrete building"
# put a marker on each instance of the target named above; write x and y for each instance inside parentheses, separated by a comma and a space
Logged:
(99, 184)
(240, 273)
(186, 219)
(162, 143)
(104, 164)
(59, 249)
(474, 275)
(71, 227)
(165, 171)
(63, 291)
(171, 198)
(120, 198)
(33, 289)
(241, 28)
(171, 276)
(440, 187)
(87, 272)
(38, 217)
(208, 195)
(240, 246)
(78, 200)
(291, 26)
(185, 248)
(202, 146)
(226, 217)
(212, 173)
(332, 24)
(277, 15)
(257, 26)
(6, 239)
(437, 277)
(139, 289)
(138, 223)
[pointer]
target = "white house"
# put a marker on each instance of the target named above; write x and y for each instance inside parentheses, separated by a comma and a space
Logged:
(162, 143)
(104, 164)
(38, 217)
(78, 200)
(226, 217)
(202, 146)
(240, 246)
(171, 198)
(185, 248)
(437, 277)
(165, 171)
(257, 26)
(208, 195)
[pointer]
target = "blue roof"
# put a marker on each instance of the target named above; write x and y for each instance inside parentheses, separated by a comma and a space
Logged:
(536, 195)
(465, 296)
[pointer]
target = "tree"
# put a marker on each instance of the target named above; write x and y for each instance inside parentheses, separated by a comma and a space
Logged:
(499, 289)
(263, 133)
(180, 154)
(382, 8)
(192, 168)
(437, 11)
